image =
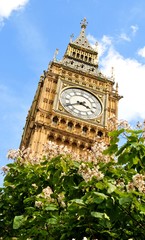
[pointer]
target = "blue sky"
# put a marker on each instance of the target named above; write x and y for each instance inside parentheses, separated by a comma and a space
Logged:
(31, 30)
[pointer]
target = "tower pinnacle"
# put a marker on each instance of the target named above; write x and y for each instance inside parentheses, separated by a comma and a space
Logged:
(84, 23)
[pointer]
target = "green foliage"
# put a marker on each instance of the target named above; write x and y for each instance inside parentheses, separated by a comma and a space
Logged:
(53, 200)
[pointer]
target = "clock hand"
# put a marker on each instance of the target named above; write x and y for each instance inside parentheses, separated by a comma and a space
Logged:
(77, 103)
(71, 104)
(84, 104)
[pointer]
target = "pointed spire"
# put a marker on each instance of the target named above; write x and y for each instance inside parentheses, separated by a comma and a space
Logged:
(82, 39)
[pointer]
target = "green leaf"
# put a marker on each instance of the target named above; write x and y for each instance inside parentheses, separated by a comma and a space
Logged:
(111, 188)
(51, 207)
(113, 148)
(135, 160)
(122, 149)
(99, 215)
(64, 165)
(78, 201)
(125, 200)
(116, 133)
(52, 221)
(102, 195)
(142, 208)
(100, 185)
(98, 197)
(42, 233)
(19, 221)
(29, 210)
(124, 158)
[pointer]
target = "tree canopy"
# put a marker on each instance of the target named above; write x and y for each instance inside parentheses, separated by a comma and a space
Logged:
(99, 194)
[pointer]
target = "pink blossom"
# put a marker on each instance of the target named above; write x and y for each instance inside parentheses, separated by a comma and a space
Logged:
(38, 204)
(5, 169)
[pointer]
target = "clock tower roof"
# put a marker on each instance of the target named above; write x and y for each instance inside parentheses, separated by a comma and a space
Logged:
(82, 40)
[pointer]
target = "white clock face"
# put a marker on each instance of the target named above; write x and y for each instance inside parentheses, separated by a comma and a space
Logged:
(80, 103)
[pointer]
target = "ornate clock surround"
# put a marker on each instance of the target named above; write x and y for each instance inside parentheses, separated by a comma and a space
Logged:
(59, 108)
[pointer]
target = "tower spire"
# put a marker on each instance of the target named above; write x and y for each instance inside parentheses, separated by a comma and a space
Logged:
(82, 39)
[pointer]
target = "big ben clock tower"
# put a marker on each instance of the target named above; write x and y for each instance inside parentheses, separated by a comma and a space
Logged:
(73, 101)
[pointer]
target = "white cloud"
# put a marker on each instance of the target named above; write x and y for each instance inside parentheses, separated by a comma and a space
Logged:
(141, 52)
(91, 39)
(127, 37)
(105, 43)
(8, 6)
(130, 75)
(124, 37)
(102, 46)
(134, 29)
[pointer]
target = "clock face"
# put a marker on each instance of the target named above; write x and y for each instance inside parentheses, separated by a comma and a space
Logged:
(81, 103)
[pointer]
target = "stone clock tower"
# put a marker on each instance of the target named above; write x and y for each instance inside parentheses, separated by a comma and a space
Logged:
(73, 100)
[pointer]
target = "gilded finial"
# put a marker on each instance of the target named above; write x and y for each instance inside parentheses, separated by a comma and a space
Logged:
(112, 73)
(55, 54)
(116, 87)
(84, 23)
(71, 37)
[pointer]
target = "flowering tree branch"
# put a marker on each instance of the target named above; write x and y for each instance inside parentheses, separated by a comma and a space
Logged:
(98, 194)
